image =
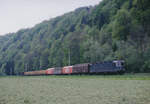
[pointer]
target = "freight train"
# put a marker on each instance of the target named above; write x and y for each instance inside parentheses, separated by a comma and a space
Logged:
(116, 66)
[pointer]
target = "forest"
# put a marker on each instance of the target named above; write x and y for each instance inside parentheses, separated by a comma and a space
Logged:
(111, 30)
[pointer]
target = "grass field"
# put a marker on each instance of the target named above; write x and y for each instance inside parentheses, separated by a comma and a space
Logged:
(112, 89)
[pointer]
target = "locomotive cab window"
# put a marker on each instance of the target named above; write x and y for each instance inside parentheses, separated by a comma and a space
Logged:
(114, 64)
(117, 63)
(122, 63)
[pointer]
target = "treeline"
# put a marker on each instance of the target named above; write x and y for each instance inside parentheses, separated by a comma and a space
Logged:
(114, 29)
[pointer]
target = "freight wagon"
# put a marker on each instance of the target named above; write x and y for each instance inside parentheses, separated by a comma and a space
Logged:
(116, 66)
(40, 72)
(81, 69)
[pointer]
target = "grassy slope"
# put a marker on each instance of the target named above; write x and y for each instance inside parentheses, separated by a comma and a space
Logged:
(75, 89)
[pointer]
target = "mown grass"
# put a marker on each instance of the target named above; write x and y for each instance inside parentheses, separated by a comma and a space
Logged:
(139, 76)
(136, 76)
(77, 89)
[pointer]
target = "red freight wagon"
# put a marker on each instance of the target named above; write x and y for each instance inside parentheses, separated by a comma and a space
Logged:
(50, 71)
(67, 70)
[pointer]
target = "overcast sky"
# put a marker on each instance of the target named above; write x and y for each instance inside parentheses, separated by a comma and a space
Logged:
(18, 14)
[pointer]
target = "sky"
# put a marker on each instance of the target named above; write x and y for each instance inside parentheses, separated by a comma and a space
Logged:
(19, 14)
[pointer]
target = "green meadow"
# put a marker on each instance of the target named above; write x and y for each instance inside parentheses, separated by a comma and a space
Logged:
(77, 89)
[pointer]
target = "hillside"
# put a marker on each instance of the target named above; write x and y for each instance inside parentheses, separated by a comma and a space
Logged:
(114, 29)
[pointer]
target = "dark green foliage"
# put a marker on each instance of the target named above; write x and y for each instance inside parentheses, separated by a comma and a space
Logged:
(122, 25)
(114, 29)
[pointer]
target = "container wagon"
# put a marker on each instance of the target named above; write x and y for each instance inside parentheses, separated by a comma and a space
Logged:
(67, 70)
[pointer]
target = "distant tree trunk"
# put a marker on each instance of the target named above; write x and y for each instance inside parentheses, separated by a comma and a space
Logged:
(130, 4)
(69, 57)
